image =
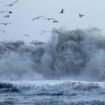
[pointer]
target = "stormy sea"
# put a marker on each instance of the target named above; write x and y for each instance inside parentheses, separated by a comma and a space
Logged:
(67, 70)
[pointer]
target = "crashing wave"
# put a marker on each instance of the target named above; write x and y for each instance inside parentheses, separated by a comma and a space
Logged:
(78, 54)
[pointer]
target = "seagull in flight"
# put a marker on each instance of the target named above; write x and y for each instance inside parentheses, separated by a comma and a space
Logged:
(5, 23)
(6, 16)
(49, 18)
(55, 21)
(10, 12)
(2, 31)
(81, 15)
(11, 4)
(62, 11)
(36, 18)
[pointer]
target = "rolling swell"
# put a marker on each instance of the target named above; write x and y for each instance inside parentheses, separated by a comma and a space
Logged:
(78, 54)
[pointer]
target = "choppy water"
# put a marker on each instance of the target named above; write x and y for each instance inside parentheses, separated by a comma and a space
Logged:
(52, 93)
(71, 55)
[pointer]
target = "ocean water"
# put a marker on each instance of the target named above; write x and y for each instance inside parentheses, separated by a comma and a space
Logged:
(68, 70)
(52, 92)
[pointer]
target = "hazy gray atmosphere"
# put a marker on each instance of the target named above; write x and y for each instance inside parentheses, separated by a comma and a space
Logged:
(25, 10)
(52, 52)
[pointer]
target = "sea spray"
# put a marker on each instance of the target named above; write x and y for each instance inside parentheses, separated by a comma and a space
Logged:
(72, 54)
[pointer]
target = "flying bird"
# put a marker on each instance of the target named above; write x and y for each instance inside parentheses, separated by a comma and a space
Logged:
(49, 19)
(6, 16)
(62, 11)
(36, 18)
(10, 12)
(2, 31)
(5, 23)
(81, 15)
(11, 4)
(55, 21)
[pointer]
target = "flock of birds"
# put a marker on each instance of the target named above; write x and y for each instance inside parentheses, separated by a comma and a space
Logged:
(53, 20)
(8, 14)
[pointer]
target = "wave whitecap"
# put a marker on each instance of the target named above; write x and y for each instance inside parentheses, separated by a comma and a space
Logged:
(78, 54)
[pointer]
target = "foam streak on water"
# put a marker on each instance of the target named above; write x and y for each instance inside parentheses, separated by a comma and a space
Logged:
(52, 93)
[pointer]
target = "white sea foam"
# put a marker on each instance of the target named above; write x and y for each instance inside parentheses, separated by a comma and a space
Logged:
(77, 54)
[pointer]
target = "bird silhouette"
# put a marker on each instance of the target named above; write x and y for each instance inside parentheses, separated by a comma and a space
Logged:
(5, 23)
(2, 31)
(62, 11)
(6, 16)
(49, 19)
(12, 4)
(55, 21)
(10, 12)
(37, 18)
(81, 15)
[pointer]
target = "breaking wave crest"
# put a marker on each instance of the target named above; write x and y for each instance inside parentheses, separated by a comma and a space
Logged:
(78, 54)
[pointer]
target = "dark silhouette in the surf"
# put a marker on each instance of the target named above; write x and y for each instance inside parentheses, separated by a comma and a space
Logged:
(81, 15)
(12, 4)
(37, 18)
(62, 11)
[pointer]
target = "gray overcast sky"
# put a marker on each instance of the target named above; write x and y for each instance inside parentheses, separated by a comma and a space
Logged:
(25, 10)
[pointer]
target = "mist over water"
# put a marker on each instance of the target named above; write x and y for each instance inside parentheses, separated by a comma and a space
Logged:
(78, 54)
